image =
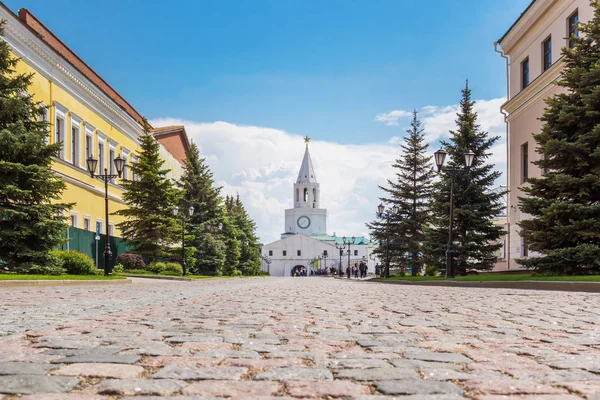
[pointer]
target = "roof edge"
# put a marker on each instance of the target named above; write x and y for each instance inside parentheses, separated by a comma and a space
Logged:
(516, 22)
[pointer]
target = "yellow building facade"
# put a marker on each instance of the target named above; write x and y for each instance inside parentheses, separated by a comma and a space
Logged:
(85, 114)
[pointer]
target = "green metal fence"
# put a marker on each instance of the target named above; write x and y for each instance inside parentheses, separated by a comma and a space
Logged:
(85, 242)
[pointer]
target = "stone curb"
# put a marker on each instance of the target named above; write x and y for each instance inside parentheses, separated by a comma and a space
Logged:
(589, 287)
(17, 283)
(166, 278)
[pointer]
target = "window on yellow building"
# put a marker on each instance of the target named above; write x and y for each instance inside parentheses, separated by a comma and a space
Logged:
(111, 228)
(87, 223)
(75, 143)
(60, 135)
(74, 220)
(88, 146)
(101, 157)
(111, 159)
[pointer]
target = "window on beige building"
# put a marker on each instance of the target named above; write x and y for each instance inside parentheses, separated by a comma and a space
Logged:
(547, 53)
(270, 252)
(524, 162)
(572, 25)
(299, 253)
(525, 73)
(284, 253)
(524, 249)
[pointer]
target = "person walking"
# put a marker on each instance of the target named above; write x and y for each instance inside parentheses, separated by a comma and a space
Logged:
(376, 270)
(348, 271)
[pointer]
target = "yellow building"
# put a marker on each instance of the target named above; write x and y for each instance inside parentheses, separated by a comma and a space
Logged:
(87, 115)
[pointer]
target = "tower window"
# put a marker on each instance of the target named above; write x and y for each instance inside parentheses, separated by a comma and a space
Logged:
(297, 194)
(305, 194)
(299, 253)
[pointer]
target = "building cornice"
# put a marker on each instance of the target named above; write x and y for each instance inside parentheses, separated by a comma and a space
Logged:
(45, 61)
(525, 22)
(538, 89)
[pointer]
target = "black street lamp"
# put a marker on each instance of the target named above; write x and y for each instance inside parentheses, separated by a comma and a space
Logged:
(324, 257)
(92, 163)
(387, 215)
(349, 252)
(183, 216)
(440, 156)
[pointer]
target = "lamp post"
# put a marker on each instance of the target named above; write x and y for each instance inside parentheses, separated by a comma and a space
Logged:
(324, 257)
(387, 215)
(92, 163)
(341, 248)
(349, 252)
(440, 156)
(190, 212)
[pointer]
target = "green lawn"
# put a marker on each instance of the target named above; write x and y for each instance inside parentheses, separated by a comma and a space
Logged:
(496, 277)
(148, 273)
(24, 277)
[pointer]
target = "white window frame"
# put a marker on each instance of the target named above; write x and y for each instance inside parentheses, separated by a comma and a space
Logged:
(89, 133)
(111, 229)
(45, 116)
(125, 154)
(112, 145)
(101, 157)
(101, 225)
(60, 112)
(134, 160)
(89, 220)
(76, 140)
(74, 217)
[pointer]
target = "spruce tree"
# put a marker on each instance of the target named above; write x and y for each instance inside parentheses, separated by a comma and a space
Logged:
(149, 225)
(564, 202)
(31, 214)
(231, 234)
(476, 204)
(198, 185)
(249, 262)
(410, 192)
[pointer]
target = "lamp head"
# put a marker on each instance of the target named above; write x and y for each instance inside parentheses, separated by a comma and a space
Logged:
(440, 157)
(92, 163)
(380, 208)
(469, 157)
(119, 164)
(175, 210)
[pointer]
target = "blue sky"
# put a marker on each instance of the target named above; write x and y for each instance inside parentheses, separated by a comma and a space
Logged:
(320, 67)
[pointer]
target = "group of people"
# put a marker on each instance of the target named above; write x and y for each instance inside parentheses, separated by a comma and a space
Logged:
(357, 269)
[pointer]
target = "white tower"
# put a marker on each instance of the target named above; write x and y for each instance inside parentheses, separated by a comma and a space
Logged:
(306, 218)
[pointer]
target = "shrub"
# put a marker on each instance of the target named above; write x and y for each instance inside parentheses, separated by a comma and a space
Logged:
(173, 269)
(131, 261)
(236, 272)
(118, 268)
(77, 263)
(430, 270)
(156, 267)
(53, 266)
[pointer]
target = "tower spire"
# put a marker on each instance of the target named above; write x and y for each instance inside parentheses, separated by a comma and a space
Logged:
(307, 172)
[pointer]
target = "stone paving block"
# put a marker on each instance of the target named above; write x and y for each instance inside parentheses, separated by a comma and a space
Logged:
(559, 375)
(22, 368)
(511, 386)
(117, 371)
(295, 374)
(588, 362)
(227, 354)
(356, 363)
(98, 358)
(234, 389)
(415, 386)
(411, 397)
(439, 357)
(171, 398)
(377, 374)
(62, 396)
(132, 387)
(587, 387)
(530, 397)
(28, 384)
(326, 389)
(202, 373)
(264, 364)
(197, 339)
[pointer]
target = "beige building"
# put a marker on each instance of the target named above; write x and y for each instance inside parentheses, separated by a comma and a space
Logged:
(532, 49)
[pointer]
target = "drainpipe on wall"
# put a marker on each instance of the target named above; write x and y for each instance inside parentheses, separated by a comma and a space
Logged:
(507, 250)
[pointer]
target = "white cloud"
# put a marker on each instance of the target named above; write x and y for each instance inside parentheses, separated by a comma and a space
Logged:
(261, 164)
(391, 118)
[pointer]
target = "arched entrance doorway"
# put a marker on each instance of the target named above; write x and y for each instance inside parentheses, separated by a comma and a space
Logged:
(299, 270)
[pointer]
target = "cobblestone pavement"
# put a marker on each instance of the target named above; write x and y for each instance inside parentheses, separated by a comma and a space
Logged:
(296, 337)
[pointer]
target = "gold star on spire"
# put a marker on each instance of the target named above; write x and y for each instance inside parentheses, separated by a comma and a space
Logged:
(306, 140)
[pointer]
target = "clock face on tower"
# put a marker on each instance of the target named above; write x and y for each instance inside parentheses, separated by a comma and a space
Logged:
(303, 222)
